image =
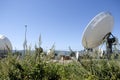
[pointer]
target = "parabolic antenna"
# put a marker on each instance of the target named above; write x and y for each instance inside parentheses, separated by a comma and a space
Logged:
(5, 43)
(96, 30)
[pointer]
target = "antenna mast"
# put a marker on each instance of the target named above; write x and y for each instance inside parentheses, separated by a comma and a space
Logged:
(25, 41)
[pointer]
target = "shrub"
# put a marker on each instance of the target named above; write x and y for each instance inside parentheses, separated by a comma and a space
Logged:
(32, 67)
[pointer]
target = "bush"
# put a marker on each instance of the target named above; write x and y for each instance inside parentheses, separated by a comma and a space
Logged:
(32, 67)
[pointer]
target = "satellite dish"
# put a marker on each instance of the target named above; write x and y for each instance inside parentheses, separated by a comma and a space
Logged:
(5, 44)
(97, 29)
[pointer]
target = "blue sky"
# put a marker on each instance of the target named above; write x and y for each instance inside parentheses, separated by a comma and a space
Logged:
(58, 21)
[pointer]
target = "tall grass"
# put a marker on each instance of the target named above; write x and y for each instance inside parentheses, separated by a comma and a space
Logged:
(39, 66)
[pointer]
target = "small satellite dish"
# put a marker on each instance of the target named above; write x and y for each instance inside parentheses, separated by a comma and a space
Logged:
(97, 29)
(5, 43)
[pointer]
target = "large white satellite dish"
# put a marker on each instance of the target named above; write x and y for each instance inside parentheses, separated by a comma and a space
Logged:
(97, 29)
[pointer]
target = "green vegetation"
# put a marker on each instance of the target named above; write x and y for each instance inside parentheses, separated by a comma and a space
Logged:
(37, 66)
